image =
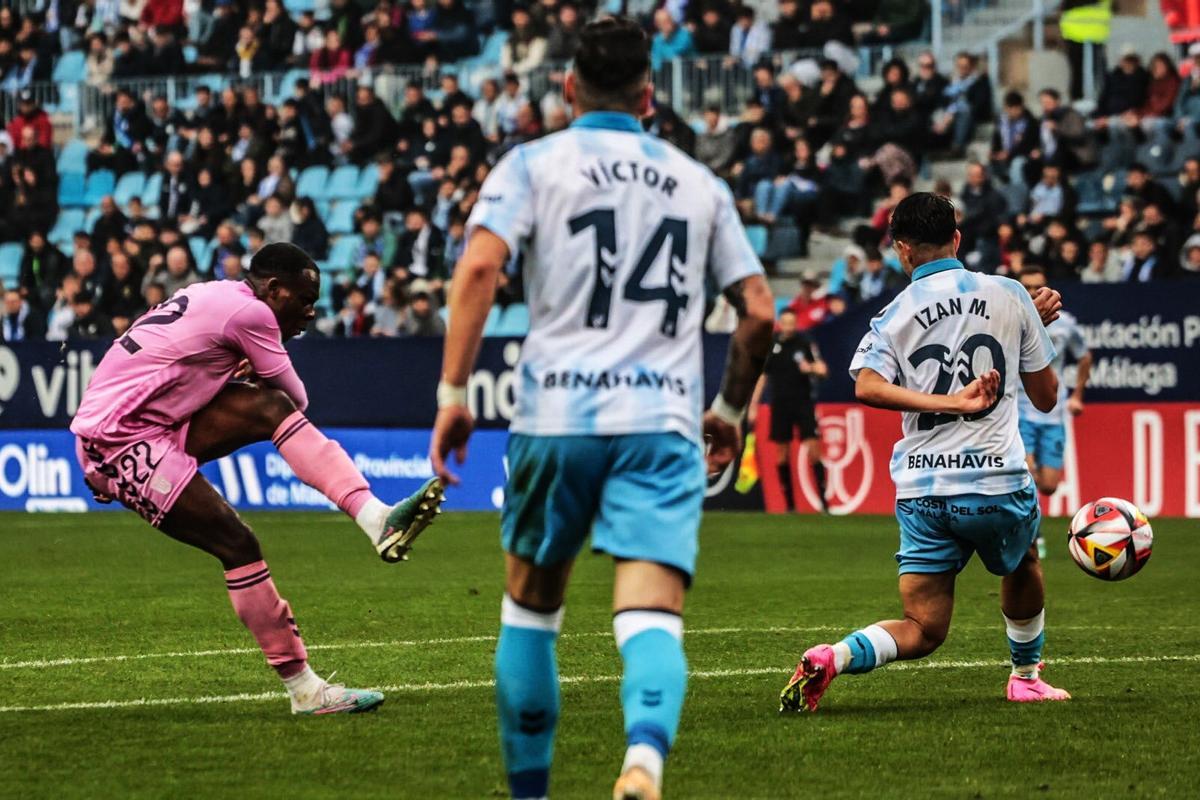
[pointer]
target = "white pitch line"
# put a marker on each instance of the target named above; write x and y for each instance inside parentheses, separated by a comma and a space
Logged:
(75, 661)
(72, 661)
(258, 697)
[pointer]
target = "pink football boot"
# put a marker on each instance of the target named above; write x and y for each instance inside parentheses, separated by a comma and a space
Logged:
(1033, 690)
(814, 673)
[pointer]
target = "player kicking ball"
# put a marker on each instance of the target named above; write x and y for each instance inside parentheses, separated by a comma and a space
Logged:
(160, 403)
(949, 353)
(1045, 434)
(621, 233)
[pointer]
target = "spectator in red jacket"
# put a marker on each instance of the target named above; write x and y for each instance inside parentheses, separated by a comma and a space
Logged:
(30, 114)
(163, 14)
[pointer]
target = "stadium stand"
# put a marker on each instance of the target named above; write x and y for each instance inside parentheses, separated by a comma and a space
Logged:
(821, 116)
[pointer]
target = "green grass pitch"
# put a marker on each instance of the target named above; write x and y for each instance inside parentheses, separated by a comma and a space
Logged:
(79, 591)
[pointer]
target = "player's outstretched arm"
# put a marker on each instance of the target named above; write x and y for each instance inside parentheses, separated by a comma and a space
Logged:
(748, 350)
(873, 389)
(471, 295)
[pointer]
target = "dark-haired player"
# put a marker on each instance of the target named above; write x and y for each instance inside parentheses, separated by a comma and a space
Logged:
(160, 403)
(621, 232)
(950, 353)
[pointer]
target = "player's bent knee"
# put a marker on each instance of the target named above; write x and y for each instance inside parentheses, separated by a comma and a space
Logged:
(273, 407)
(233, 543)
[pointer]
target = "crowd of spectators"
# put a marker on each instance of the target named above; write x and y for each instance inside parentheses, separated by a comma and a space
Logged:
(809, 149)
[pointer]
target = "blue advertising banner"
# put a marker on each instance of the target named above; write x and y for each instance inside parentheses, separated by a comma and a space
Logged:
(38, 472)
(1145, 339)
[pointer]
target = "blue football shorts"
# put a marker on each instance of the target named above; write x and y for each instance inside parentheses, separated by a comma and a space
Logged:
(639, 495)
(939, 534)
(1045, 441)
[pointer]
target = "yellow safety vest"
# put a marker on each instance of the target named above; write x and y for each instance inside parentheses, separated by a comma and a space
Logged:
(1087, 23)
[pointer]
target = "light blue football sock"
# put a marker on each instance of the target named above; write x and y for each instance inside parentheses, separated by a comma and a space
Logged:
(527, 696)
(1025, 640)
(870, 648)
(655, 680)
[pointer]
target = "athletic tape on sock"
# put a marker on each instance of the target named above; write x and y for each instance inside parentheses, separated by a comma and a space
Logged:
(627, 624)
(517, 616)
(1023, 631)
(884, 644)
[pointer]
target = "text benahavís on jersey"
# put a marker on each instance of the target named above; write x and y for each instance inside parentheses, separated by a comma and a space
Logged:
(573, 379)
(954, 461)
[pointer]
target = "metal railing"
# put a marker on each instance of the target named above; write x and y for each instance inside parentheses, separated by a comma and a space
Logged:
(689, 85)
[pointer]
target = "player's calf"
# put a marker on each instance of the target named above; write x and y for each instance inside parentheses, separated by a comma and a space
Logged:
(527, 695)
(652, 691)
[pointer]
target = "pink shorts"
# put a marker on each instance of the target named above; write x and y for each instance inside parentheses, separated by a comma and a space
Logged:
(146, 475)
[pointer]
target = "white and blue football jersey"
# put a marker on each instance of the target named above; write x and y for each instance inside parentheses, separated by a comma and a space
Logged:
(620, 233)
(947, 328)
(1067, 338)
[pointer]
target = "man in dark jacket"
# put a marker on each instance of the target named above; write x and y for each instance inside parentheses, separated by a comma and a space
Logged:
(929, 85)
(1015, 137)
(123, 146)
(983, 210)
(90, 322)
(42, 269)
(825, 24)
(20, 321)
(1124, 88)
(175, 196)
(374, 127)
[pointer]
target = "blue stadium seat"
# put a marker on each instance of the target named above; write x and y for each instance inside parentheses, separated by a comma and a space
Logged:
(10, 263)
(70, 68)
(299, 6)
(368, 182)
(312, 182)
(490, 53)
(190, 53)
(130, 186)
(99, 183)
(341, 254)
(343, 183)
(151, 190)
(758, 239)
(69, 220)
(286, 84)
(323, 207)
(492, 325)
(73, 157)
(514, 321)
(89, 221)
(341, 217)
(325, 299)
(70, 188)
(780, 304)
(199, 247)
(444, 313)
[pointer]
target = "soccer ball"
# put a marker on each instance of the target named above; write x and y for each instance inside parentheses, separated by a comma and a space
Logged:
(1110, 539)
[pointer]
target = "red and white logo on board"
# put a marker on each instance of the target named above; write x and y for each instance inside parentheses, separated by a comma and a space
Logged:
(849, 464)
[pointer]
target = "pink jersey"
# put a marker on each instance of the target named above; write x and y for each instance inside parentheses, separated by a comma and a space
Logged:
(178, 356)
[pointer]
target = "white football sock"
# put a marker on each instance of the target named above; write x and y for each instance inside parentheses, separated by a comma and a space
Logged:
(645, 757)
(841, 656)
(304, 688)
(372, 517)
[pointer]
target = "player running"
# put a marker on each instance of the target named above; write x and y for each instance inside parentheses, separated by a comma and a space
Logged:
(1045, 434)
(160, 402)
(949, 353)
(621, 231)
